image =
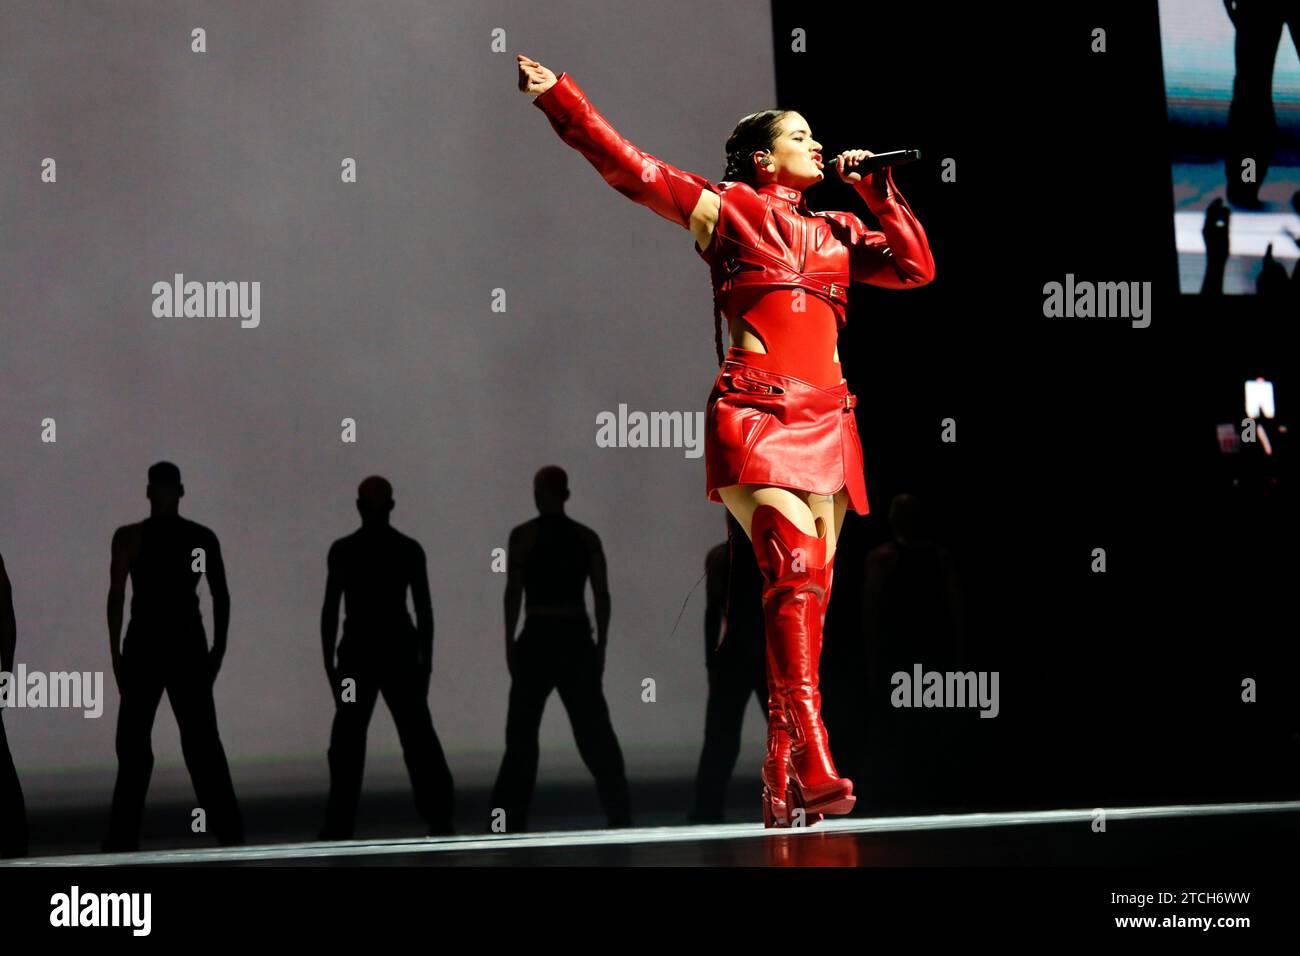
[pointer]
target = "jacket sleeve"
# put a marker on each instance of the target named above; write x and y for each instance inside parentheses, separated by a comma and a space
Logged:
(643, 178)
(898, 256)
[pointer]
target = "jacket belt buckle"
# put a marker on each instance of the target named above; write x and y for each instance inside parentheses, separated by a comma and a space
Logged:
(849, 401)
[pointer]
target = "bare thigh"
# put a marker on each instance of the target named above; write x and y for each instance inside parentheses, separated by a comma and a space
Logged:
(817, 515)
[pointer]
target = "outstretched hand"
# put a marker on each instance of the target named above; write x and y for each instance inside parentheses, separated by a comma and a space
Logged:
(1215, 231)
(534, 78)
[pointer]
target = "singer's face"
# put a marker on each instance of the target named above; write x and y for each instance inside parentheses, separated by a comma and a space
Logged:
(795, 154)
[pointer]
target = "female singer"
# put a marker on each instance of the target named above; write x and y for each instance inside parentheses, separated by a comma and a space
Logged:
(781, 445)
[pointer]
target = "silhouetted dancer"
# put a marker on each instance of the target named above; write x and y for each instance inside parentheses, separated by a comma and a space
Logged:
(13, 812)
(912, 604)
(550, 559)
(382, 652)
(166, 648)
(912, 614)
(737, 665)
(1252, 121)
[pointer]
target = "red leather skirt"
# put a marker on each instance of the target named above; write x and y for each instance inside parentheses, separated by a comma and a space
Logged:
(763, 428)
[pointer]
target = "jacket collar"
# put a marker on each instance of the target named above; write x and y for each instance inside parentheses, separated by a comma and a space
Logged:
(792, 197)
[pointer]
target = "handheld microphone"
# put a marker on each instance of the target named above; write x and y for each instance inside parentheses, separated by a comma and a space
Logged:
(898, 157)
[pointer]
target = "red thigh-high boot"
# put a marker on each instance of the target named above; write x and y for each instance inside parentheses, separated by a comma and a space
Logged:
(795, 576)
(779, 584)
(776, 811)
(823, 578)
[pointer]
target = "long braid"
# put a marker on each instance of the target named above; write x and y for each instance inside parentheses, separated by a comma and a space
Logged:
(717, 328)
(733, 173)
(756, 131)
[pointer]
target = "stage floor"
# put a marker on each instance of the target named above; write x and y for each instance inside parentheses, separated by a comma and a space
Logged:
(1232, 833)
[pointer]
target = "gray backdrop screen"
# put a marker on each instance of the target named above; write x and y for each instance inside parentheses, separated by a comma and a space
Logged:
(376, 304)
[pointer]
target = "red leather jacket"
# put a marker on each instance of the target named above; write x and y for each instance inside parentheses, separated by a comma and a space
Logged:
(765, 238)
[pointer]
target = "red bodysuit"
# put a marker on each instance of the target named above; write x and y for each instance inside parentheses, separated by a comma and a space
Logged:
(798, 343)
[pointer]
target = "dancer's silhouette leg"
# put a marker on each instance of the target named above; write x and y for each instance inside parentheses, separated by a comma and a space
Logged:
(13, 811)
(1252, 121)
(404, 692)
(189, 689)
(730, 685)
(532, 684)
(144, 679)
(579, 684)
(347, 751)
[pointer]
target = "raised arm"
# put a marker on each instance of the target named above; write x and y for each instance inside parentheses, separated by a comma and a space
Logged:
(666, 190)
(898, 255)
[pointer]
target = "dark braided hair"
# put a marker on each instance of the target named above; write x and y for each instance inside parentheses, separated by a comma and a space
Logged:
(755, 132)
